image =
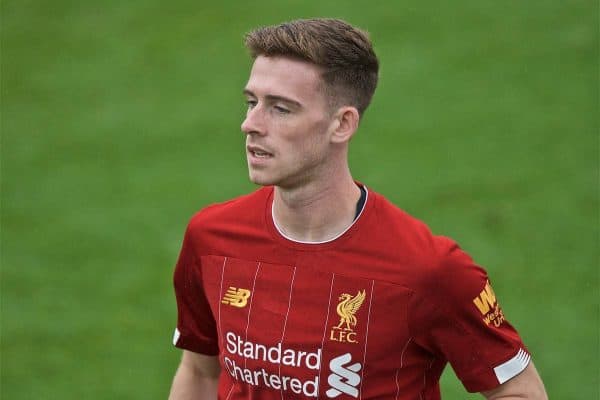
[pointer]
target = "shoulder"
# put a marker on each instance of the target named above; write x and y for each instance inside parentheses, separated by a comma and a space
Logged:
(434, 259)
(407, 234)
(248, 208)
(404, 227)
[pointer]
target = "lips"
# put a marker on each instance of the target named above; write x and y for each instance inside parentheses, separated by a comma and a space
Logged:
(259, 152)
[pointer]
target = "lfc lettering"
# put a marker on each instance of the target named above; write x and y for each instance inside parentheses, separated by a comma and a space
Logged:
(342, 335)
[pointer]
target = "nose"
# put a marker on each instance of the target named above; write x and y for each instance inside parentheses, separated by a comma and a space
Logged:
(254, 123)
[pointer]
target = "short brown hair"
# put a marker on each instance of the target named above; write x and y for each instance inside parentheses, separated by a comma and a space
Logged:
(345, 54)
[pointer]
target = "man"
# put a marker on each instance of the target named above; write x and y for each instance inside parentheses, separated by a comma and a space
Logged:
(314, 286)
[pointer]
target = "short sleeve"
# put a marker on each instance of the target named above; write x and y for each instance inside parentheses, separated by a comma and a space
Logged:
(458, 318)
(196, 328)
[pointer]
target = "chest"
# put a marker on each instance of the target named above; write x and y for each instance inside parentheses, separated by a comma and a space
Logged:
(307, 327)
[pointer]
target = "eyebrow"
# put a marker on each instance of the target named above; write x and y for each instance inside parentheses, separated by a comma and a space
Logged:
(273, 98)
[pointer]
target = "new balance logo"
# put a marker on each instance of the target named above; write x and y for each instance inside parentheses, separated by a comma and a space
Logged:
(344, 378)
(236, 297)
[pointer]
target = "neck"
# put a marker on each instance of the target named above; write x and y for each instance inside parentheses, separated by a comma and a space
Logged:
(317, 211)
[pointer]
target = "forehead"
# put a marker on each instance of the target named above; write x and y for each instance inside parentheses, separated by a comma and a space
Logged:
(287, 77)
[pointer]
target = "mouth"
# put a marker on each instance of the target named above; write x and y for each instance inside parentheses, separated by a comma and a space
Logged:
(258, 152)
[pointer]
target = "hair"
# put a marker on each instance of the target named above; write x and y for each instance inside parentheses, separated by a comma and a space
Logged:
(344, 53)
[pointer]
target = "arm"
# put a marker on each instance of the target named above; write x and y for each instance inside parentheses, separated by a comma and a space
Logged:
(196, 378)
(526, 385)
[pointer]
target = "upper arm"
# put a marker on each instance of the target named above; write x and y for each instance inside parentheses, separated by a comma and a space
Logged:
(459, 319)
(196, 378)
(525, 385)
(196, 327)
(201, 365)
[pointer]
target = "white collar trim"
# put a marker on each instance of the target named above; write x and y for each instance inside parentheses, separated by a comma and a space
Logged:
(324, 241)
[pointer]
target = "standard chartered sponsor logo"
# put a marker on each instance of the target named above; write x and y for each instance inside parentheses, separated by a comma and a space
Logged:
(344, 378)
(276, 355)
(308, 388)
(273, 354)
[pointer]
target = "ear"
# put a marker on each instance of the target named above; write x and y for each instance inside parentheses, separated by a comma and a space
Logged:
(346, 123)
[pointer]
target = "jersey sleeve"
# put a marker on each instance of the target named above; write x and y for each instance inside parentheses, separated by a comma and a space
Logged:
(462, 322)
(196, 329)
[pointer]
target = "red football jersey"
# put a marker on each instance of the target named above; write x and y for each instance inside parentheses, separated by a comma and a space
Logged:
(375, 313)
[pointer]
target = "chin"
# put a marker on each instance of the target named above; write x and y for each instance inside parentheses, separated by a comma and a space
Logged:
(260, 179)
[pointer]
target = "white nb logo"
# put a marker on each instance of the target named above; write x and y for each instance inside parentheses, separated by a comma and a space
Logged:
(343, 379)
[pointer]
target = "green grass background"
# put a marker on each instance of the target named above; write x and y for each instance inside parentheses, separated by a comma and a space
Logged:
(120, 119)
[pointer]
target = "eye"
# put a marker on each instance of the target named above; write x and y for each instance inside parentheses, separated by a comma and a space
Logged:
(250, 104)
(281, 110)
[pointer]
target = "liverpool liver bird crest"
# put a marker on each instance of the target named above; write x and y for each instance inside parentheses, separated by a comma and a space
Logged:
(347, 307)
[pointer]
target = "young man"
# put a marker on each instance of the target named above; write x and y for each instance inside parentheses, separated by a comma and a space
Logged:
(314, 286)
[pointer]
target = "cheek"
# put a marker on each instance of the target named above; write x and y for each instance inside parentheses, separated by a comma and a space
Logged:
(302, 135)
(314, 148)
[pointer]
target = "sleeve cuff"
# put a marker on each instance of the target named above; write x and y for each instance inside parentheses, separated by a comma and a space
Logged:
(184, 343)
(512, 367)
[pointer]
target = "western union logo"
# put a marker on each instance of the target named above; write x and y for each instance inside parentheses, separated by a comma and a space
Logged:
(346, 309)
(487, 304)
(486, 300)
(236, 297)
